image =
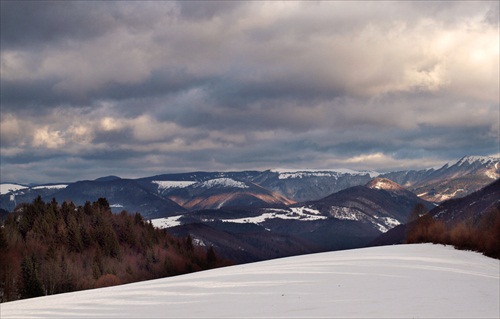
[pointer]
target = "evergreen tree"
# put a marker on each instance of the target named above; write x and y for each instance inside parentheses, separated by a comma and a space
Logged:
(189, 243)
(3, 240)
(31, 284)
(211, 256)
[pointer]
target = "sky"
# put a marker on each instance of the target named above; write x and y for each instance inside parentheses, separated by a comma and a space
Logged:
(134, 89)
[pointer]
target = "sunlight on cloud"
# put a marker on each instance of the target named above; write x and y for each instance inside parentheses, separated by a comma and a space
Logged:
(111, 124)
(44, 137)
(367, 158)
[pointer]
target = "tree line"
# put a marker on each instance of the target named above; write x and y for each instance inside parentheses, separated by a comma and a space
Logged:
(47, 248)
(482, 235)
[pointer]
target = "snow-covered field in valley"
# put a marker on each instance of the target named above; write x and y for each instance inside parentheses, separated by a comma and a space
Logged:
(406, 281)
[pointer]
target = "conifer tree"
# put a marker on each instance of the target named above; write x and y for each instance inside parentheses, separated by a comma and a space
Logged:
(3, 240)
(31, 284)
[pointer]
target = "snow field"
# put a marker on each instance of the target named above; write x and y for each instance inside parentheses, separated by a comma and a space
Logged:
(222, 182)
(6, 188)
(405, 281)
(173, 184)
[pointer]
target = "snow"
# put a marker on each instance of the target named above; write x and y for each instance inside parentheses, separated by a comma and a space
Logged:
(444, 196)
(405, 281)
(287, 173)
(481, 159)
(223, 182)
(491, 173)
(297, 213)
(6, 188)
(390, 222)
(198, 242)
(472, 159)
(173, 184)
(59, 186)
(385, 184)
(167, 222)
(346, 213)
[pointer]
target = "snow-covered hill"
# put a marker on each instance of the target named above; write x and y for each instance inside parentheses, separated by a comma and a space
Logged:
(406, 281)
(6, 188)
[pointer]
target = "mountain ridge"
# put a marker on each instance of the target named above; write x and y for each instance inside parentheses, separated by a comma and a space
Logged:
(452, 180)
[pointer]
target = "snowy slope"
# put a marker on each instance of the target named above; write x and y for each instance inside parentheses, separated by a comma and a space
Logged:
(406, 281)
(289, 173)
(6, 188)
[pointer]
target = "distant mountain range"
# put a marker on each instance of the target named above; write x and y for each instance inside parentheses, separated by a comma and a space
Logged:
(169, 194)
(256, 215)
(452, 180)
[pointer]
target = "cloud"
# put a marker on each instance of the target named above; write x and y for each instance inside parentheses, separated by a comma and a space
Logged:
(178, 86)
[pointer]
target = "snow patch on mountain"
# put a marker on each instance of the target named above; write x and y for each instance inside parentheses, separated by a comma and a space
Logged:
(473, 159)
(59, 186)
(383, 224)
(448, 194)
(297, 213)
(384, 184)
(346, 213)
(389, 221)
(289, 174)
(221, 182)
(162, 185)
(199, 242)
(6, 188)
(167, 222)
(492, 174)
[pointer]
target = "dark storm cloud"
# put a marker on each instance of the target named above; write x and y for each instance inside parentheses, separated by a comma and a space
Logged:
(46, 23)
(42, 23)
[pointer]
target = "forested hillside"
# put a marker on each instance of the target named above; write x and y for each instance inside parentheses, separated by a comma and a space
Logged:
(47, 248)
(482, 235)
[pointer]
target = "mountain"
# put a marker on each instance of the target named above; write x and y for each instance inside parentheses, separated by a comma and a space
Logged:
(122, 194)
(452, 180)
(306, 185)
(347, 219)
(471, 208)
(381, 202)
(405, 281)
(482, 206)
(163, 184)
(224, 192)
(269, 188)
